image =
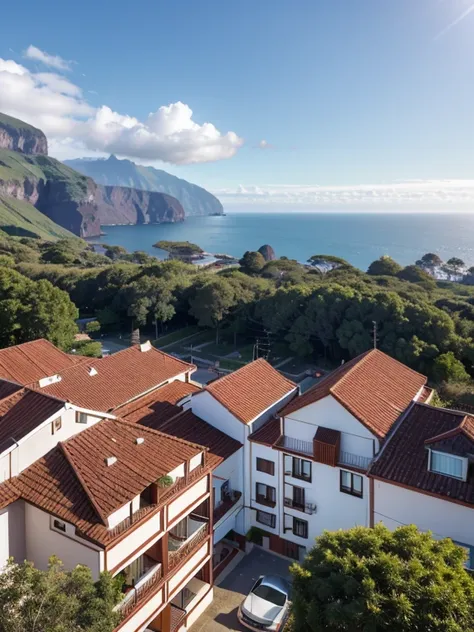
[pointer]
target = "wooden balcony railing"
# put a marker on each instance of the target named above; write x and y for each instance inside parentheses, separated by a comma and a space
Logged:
(309, 508)
(166, 493)
(225, 505)
(131, 520)
(178, 618)
(176, 557)
(147, 587)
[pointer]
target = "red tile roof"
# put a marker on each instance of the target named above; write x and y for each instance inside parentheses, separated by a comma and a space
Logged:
(159, 405)
(74, 483)
(404, 459)
(31, 361)
(8, 388)
(119, 378)
(29, 409)
(268, 434)
(251, 390)
(373, 387)
(186, 425)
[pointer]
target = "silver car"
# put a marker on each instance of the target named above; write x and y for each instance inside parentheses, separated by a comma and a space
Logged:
(267, 605)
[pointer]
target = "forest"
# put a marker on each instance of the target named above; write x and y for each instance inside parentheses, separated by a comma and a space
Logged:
(324, 310)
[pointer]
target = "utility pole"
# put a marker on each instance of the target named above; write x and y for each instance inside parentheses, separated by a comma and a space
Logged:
(375, 333)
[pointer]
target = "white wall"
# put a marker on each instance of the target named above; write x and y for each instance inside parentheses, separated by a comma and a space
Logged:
(42, 542)
(394, 505)
(187, 499)
(118, 516)
(200, 557)
(145, 614)
(128, 549)
(328, 412)
(271, 412)
(205, 406)
(12, 533)
(232, 469)
(265, 452)
(199, 609)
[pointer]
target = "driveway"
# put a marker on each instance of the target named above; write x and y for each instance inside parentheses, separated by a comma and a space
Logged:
(222, 613)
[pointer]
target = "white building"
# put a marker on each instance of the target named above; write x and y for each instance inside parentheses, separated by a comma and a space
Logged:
(425, 476)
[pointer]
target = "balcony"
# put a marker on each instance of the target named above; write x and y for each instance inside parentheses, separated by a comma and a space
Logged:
(178, 618)
(295, 445)
(147, 585)
(354, 460)
(230, 500)
(167, 493)
(308, 508)
(185, 538)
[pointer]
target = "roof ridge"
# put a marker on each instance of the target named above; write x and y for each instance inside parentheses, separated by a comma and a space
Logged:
(69, 458)
(361, 358)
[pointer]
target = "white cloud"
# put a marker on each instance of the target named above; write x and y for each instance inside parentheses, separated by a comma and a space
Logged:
(410, 195)
(57, 106)
(32, 52)
(264, 144)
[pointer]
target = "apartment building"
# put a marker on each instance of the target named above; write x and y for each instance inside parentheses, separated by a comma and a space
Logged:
(309, 466)
(425, 476)
(126, 465)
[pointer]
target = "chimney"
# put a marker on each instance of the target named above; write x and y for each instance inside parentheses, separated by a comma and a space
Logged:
(46, 381)
(110, 460)
(146, 346)
(93, 371)
(139, 440)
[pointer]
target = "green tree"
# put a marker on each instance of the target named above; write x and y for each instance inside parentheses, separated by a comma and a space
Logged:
(415, 274)
(447, 368)
(327, 263)
(92, 327)
(212, 302)
(57, 600)
(34, 309)
(377, 580)
(454, 267)
(430, 262)
(115, 252)
(89, 348)
(384, 266)
(252, 262)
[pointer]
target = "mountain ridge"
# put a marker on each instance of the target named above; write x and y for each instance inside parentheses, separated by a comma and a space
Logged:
(113, 171)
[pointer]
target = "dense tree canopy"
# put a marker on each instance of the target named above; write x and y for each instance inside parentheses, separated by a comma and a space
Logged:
(384, 266)
(56, 600)
(252, 262)
(34, 309)
(376, 580)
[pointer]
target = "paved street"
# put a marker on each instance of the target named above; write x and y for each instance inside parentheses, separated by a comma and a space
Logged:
(222, 613)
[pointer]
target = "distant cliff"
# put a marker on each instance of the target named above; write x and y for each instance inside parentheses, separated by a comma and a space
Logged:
(31, 178)
(123, 205)
(194, 199)
(19, 136)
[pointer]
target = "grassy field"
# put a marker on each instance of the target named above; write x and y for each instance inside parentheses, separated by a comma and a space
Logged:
(23, 219)
(177, 336)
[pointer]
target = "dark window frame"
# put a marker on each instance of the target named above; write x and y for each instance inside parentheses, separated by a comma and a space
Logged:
(265, 466)
(302, 492)
(59, 525)
(303, 524)
(269, 500)
(80, 415)
(56, 425)
(267, 513)
(351, 490)
(299, 476)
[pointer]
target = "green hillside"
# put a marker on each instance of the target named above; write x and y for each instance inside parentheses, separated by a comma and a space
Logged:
(23, 219)
(15, 166)
(17, 124)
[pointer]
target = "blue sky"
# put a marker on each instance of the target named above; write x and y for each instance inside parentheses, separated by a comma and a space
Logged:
(345, 93)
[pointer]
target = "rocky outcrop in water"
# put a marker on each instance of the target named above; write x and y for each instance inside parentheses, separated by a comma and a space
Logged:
(267, 252)
(19, 136)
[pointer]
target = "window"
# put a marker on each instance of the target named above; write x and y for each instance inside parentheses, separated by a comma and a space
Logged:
(266, 466)
(59, 526)
(300, 528)
(448, 465)
(298, 497)
(81, 418)
(351, 483)
(56, 426)
(265, 494)
(265, 518)
(301, 469)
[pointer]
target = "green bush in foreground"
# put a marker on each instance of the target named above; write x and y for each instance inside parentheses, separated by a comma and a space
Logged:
(376, 580)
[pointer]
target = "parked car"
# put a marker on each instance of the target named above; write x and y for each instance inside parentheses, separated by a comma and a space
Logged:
(267, 605)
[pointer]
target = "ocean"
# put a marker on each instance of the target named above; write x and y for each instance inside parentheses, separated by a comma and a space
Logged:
(357, 237)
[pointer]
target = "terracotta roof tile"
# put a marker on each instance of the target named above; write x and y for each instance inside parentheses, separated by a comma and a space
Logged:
(268, 434)
(28, 410)
(8, 494)
(186, 425)
(251, 390)
(31, 361)
(117, 378)
(404, 459)
(74, 483)
(159, 405)
(8, 388)
(373, 387)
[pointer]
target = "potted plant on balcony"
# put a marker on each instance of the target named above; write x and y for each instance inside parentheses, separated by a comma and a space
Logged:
(164, 481)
